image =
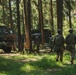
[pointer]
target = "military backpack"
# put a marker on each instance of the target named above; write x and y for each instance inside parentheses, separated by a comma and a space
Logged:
(70, 39)
(59, 40)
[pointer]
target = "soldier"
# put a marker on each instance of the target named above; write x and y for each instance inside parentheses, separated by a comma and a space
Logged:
(51, 43)
(70, 44)
(59, 45)
(37, 41)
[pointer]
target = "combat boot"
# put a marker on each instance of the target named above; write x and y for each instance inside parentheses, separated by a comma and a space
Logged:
(57, 60)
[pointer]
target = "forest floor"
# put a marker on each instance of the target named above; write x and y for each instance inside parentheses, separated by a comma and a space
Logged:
(35, 64)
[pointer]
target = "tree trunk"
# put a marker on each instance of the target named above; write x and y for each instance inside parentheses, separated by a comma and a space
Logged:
(52, 24)
(18, 26)
(59, 14)
(41, 20)
(28, 44)
(29, 26)
(3, 11)
(11, 21)
(23, 32)
(26, 25)
(69, 8)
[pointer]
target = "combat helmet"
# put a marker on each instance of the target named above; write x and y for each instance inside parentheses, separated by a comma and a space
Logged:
(71, 30)
(59, 31)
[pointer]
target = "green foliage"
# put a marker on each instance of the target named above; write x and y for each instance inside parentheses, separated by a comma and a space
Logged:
(34, 14)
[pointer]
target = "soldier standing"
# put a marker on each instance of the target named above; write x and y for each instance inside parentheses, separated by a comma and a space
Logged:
(36, 42)
(70, 44)
(51, 43)
(59, 45)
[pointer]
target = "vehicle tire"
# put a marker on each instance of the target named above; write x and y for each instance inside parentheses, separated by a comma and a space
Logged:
(7, 49)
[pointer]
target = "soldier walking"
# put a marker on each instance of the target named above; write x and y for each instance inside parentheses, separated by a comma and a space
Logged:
(59, 45)
(70, 44)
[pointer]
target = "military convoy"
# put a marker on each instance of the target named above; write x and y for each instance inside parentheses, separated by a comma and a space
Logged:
(7, 38)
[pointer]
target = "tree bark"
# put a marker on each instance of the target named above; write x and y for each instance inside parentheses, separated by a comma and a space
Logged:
(11, 21)
(41, 20)
(52, 23)
(59, 14)
(29, 26)
(3, 11)
(18, 26)
(69, 10)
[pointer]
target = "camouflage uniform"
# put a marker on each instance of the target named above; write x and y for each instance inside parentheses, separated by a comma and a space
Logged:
(37, 43)
(59, 48)
(51, 43)
(70, 45)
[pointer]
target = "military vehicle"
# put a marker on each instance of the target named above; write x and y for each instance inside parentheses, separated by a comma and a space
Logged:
(7, 38)
(47, 34)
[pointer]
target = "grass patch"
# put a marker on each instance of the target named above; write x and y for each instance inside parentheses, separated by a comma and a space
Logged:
(31, 64)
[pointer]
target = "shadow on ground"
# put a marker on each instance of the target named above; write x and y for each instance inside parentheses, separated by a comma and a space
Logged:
(44, 66)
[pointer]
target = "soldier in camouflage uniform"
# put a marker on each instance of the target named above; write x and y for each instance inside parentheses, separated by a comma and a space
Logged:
(59, 45)
(51, 43)
(70, 44)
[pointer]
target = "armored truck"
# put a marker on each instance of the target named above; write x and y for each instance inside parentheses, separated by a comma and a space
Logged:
(7, 38)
